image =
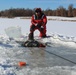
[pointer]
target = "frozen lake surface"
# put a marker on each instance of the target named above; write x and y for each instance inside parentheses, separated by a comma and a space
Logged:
(54, 60)
(58, 59)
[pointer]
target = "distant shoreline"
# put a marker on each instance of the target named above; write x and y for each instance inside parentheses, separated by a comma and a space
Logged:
(54, 18)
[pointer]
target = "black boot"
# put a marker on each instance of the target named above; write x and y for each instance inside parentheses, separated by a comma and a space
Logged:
(31, 37)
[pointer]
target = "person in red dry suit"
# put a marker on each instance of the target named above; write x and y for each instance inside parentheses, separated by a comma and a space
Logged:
(38, 21)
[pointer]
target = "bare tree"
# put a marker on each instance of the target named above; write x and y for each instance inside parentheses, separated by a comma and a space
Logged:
(74, 12)
(70, 10)
(60, 11)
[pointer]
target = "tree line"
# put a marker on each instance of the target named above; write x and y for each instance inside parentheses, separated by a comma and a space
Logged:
(21, 12)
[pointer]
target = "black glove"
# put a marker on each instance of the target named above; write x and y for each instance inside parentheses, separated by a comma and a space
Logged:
(38, 25)
(41, 28)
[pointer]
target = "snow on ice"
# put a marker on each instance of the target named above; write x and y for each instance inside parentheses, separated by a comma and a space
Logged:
(62, 36)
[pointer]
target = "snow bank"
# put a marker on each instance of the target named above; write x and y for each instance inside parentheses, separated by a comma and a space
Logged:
(62, 18)
(59, 40)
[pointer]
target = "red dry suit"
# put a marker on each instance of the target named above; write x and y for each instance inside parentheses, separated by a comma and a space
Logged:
(39, 22)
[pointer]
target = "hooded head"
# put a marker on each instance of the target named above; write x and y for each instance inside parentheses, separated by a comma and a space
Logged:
(38, 11)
